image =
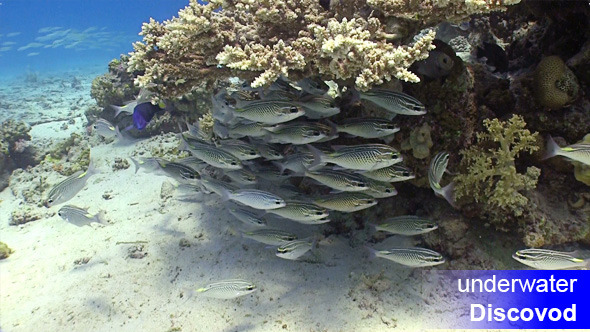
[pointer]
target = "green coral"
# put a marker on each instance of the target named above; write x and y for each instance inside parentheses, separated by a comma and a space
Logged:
(115, 87)
(490, 176)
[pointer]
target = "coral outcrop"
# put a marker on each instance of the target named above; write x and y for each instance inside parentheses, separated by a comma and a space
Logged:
(290, 38)
(489, 175)
(555, 84)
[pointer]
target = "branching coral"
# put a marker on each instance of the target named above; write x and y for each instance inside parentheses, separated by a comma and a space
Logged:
(490, 176)
(269, 39)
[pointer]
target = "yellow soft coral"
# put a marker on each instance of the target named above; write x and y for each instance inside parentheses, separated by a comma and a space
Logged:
(489, 174)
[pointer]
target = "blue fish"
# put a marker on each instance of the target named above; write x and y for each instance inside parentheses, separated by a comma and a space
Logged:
(143, 114)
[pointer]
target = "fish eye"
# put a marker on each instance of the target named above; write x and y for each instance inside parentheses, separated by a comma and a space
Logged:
(59, 213)
(319, 213)
(390, 127)
(315, 133)
(278, 202)
(250, 287)
(233, 163)
(406, 173)
(95, 126)
(360, 185)
(50, 201)
(293, 109)
(394, 156)
(388, 190)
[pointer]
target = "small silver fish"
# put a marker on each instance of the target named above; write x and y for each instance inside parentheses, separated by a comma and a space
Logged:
(545, 259)
(412, 257)
(269, 152)
(339, 180)
(210, 185)
(394, 102)
(68, 188)
(367, 127)
(80, 217)
(379, 189)
(254, 198)
(227, 289)
(179, 171)
(346, 201)
(242, 176)
(318, 107)
(294, 250)
(247, 217)
(247, 129)
(269, 111)
(407, 225)
(104, 128)
(298, 133)
(438, 166)
(298, 162)
(302, 212)
(271, 237)
(214, 156)
(358, 157)
(239, 149)
(578, 152)
(394, 173)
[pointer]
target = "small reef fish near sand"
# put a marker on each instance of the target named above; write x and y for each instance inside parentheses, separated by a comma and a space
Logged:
(302, 212)
(412, 257)
(578, 152)
(258, 199)
(294, 250)
(104, 128)
(271, 237)
(544, 259)
(68, 188)
(407, 225)
(358, 157)
(227, 289)
(80, 217)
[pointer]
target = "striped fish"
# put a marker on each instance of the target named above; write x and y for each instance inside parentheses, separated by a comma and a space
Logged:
(379, 189)
(394, 173)
(68, 188)
(339, 180)
(254, 198)
(367, 127)
(269, 111)
(214, 156)
(271, 237)
(80, 217)
(545, 259)
(412, 257)
(227, 289)
(302, 212)
(407, 225)
(359, 157)
(239, 149)
(346, 201)
(438, 166)
(247, 217)
(294, 249)
(298, 133)
(578, 152)
(394, 102)
(104, 128)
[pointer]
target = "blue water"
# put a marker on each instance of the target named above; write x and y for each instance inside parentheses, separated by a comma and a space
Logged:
(60, 35)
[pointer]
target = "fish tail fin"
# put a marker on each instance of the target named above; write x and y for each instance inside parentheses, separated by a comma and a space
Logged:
(118, 109)
(91, 169)
(372, 227)
(225, 195)
(100, 218)
(318, 156)
(372, 252)
(220, 130)
(136, 163)
(552, 149)
(280, 166)
(333, 128)
(448, 193)
(388, 139)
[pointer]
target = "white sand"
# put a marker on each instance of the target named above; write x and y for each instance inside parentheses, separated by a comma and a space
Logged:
(43, 289)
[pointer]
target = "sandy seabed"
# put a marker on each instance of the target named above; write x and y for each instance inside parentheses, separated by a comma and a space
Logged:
(137, 273)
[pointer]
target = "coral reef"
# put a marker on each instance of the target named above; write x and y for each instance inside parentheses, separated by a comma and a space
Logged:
(25, 214)
(291, 38)
(115, 87)
(5, 251)
(555, 84)
(419, 142)
(15, 149)
(489, 175)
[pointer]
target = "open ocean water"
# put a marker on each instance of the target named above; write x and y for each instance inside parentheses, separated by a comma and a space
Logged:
(44, 36)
